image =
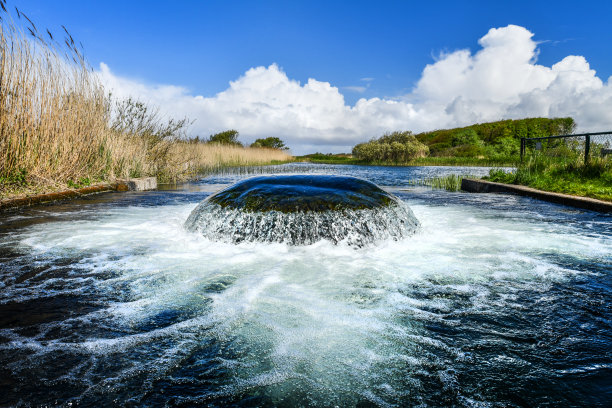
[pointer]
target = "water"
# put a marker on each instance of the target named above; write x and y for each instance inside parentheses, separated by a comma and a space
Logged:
(497, 301)
(302, 210)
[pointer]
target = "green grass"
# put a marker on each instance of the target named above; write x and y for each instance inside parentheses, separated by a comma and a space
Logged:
(329, 159)
(82, 182)
(569, 177)
(424, 161)
(464, 161)
(451, 182)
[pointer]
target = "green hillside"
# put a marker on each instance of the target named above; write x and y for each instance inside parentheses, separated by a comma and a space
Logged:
(493, 139)
(493, 142)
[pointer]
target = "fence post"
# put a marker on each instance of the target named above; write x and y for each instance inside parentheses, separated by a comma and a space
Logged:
(522, 148)
(587, 148)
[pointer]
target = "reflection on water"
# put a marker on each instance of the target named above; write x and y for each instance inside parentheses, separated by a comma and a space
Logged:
(497, 301)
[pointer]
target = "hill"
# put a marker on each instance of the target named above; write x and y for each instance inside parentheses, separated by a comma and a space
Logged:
(491, 142)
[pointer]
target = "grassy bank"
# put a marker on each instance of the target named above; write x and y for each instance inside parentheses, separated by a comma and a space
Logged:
(421, 161)
(59, 128)
(329, 158)
(569, 177)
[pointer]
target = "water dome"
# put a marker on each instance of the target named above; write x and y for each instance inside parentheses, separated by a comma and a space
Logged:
(303, 209)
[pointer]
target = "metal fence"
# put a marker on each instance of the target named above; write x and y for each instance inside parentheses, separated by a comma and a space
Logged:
(580, 146)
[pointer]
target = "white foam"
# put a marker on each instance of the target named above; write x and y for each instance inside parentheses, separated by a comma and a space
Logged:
(329, 315)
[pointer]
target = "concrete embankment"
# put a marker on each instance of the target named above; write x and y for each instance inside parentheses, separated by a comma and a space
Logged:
(140, 184)
(483, 186)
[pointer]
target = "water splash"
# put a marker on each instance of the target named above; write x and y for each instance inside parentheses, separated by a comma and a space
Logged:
(301, 210)
(355, 227)
(498, 301)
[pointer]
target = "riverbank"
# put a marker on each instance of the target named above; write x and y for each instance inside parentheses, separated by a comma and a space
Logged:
(24, 194)
(483, 186)
(321, 158)
(142, 184)
(574, 178)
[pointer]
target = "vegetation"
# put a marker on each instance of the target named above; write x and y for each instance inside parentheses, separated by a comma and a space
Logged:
(270, 143)
(562, 176)
(494, 143)
(329, 158)
(343, 158)
(499, 141)
(450, 182)
(398, 147)
(227, 137)
(59, 128)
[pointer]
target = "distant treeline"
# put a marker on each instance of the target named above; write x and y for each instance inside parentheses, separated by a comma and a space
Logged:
(497, 141)
(230, 137)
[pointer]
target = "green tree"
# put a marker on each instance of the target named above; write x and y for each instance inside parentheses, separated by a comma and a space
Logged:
(229, 137)
(398, 147)
(466, 137)
(271, 143)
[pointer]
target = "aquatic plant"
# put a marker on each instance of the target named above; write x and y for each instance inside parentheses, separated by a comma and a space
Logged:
(450, 182)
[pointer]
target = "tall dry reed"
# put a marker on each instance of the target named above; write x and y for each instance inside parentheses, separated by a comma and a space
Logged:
(53, 113)
(58, 125)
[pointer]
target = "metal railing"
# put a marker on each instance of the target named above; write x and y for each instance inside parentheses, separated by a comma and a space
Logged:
(597, 144)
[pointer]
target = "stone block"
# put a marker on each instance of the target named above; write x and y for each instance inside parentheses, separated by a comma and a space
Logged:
(137, 184)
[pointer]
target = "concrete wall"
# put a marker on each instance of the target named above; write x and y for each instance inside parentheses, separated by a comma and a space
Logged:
(483, 186)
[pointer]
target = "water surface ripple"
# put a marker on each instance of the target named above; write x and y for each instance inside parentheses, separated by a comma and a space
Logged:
(497, 301)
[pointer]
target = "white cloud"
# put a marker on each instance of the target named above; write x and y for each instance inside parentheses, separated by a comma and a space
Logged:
(502, 80)
(358, 89)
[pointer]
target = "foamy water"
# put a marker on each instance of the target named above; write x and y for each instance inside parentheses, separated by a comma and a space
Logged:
(122, 304)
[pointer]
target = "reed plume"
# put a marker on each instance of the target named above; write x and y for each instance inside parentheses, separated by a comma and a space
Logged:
(58, 124)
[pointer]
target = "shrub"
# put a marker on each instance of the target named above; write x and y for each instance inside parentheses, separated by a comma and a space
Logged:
(398, 147)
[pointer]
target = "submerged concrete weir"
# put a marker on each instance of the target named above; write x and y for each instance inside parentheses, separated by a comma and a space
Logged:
(301, 210)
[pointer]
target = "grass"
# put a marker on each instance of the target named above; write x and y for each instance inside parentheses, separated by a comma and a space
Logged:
(329, 159)
(450, 182)
(423, 161)
(569, 176)
(464, 161)
(59, 128)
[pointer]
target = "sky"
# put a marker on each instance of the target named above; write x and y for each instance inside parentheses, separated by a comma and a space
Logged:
(325, 75)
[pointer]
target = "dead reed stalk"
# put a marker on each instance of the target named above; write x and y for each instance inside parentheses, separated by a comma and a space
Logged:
(58, 125)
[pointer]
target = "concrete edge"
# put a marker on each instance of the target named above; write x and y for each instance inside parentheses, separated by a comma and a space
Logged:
(142, 184)
(483, 186)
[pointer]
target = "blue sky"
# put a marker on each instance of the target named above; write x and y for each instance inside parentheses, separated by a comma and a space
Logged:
(364, 49)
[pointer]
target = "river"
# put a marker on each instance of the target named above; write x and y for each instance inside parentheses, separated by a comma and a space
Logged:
(497, 300)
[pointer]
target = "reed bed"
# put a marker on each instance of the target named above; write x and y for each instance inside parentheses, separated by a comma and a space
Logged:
(187, 160)
(59, 127)
(450, 182)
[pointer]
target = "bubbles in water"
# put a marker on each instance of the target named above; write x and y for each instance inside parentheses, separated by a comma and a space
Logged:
(126, 304)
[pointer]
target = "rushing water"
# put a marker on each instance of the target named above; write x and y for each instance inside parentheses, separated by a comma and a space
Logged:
(302, 210)
(496, 301)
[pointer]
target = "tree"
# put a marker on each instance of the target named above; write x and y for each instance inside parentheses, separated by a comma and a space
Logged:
(466, 137)
(271, 143)
(229, 137)
(398, 147)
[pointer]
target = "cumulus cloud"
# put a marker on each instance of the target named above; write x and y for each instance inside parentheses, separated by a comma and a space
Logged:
(502, 80)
